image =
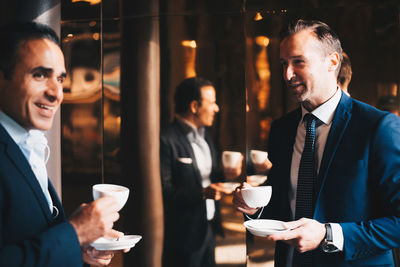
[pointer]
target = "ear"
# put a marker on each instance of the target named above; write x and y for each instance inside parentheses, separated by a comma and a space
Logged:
(333, 61)
(194, 106)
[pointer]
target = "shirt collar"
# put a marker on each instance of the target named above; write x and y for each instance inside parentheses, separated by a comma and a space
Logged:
(326, 111)
(16, 131)
(189, 128)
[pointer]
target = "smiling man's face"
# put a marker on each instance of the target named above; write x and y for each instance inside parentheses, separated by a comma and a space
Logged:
(34, 93)
(306, 69)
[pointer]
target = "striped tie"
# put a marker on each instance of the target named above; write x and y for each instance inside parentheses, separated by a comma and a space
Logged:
(305, 184)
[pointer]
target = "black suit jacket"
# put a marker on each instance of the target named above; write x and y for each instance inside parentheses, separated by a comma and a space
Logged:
(29, 235)
(184, 205)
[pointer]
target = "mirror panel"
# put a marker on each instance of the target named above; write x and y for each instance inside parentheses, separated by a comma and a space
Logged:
(210, 46)
(81, 119)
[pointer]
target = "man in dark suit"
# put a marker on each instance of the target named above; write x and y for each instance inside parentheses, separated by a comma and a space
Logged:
(354, 189)
(190, 179)
(33, 228)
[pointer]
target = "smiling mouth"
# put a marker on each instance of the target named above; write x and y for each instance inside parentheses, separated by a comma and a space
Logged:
(45, 107)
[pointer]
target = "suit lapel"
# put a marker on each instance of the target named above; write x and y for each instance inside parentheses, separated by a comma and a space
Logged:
(56, 202)
(339, 124)
(18, 159)
(189, 150)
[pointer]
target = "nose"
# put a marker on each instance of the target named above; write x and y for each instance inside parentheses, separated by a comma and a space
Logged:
(288, 72)
(54, 90)
(216, 109)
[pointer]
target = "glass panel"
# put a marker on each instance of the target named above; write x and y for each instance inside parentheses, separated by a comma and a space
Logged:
(81, 112)
(212, 47)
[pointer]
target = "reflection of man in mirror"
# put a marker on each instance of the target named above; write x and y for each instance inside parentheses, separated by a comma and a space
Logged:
(34, 230)
(335, 174)
(190, 179)
(345, 73)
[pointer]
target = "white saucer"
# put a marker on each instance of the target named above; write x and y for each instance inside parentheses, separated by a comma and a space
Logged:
(127, 241)
(229, 187)
(262, 227)
(256, 179)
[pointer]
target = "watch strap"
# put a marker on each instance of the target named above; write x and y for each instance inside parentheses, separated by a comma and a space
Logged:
(328, 235)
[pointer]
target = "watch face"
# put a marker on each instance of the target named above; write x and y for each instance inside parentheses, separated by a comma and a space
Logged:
(329, 247)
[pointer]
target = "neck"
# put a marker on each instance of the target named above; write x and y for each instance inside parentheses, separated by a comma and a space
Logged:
(188, 118)
(311, 105)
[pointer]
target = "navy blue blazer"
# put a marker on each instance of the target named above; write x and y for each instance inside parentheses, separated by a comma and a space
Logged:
(29, 235)
(358, 184)
(185, 212)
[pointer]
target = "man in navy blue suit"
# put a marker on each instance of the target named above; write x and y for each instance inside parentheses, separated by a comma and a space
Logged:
(33, 228)
(355, 184)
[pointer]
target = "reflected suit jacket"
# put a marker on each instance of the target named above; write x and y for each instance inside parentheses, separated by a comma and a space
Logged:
(358, 184)
(29, 235)
(184, 206)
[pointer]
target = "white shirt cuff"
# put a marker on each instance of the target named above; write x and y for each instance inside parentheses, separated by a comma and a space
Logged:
(337, 235)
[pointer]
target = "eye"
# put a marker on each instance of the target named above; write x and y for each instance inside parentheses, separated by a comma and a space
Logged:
(39, 75)
(61, 79)
(298, 62)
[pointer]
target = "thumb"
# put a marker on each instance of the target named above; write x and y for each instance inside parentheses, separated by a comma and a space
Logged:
(113, 234)
(293, 224)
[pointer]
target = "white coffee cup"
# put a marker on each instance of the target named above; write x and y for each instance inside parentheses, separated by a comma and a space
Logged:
(121, 193)
(230, 159)
(258, 196)
(258, 156)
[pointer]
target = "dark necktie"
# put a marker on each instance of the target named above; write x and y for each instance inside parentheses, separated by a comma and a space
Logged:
(305, 184)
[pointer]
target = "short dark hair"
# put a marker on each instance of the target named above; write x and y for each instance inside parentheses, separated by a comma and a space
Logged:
(12, 37)
(345, 72)
(187, 91)
(328, 38)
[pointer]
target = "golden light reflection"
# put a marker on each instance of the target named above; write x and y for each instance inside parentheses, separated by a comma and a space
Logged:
(264, 72)
(262, 40)
(91, 2)
(258, 17)
(189, 54)
(189, 43)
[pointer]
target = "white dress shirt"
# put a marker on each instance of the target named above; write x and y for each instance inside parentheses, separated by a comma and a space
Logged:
(325, 113)
(203, 159)
(33, 145)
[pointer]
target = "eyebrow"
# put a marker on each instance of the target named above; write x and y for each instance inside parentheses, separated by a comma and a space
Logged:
(47, 70)
(293, 57)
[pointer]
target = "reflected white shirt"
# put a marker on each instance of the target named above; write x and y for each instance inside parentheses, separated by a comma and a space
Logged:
(202, 154)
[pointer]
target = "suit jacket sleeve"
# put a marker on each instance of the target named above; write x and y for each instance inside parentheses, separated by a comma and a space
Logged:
(381, 232)
(57, 246)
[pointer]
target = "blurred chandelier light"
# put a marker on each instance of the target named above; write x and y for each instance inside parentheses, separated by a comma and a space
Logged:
(91, 2)
(258, 17)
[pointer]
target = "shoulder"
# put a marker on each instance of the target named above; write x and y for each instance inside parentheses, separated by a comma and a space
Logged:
(172, 132)
(366, 111)
(367, 116)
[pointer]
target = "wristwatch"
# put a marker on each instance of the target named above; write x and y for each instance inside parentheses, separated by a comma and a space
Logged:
(327, 244)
